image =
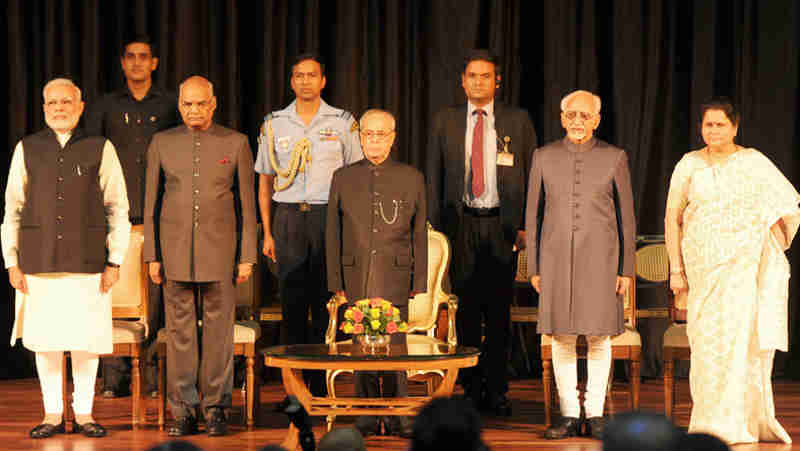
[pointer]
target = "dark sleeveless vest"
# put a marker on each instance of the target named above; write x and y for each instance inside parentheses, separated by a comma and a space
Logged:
(63, 227)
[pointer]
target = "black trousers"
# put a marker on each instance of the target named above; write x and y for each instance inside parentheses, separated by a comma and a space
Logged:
(117, 370)
(302, 277)
(483, 281)
(193, 357)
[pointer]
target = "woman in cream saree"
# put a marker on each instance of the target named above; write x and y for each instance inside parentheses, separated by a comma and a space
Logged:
(730, 215)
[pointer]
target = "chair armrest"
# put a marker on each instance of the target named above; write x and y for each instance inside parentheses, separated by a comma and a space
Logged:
(452, 307)
(333, 320)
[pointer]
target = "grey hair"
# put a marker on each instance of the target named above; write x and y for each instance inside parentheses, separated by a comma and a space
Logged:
(198, 77)
(374, 111)
(568, 98)
(61, 82)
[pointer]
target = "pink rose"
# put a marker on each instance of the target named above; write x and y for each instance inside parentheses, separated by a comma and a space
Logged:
(357, 316)
(391, 327)
(375, 302)
(358, 329)
(388, 314)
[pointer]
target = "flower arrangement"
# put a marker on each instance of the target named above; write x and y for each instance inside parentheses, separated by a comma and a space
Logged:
(372, 316)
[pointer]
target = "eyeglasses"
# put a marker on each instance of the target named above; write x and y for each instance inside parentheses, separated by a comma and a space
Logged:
(62, 102)
(377, 135)
(571, 115)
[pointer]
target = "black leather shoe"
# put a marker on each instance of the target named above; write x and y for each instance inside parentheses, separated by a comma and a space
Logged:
(499, 406)
(568, 427)
(183, 426)
(216, 424)
(47, 430)
(92, 430)
(398, 426)
(596, 426)
(368, 425)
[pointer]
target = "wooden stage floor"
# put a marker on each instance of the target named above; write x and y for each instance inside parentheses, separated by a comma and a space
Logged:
(21, 407)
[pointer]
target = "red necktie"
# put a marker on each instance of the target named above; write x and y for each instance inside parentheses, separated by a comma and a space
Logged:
(477, 155)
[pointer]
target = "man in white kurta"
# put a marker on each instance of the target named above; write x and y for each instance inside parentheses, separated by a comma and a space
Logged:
(65, 190)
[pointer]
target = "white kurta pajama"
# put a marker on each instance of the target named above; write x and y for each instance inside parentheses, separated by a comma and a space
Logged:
(66, 311)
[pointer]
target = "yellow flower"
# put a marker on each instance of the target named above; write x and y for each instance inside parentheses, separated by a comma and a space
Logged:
(348, 328)
(387, 306)
(403, 327)
(375, 313)
(395, 311)
(363, 303)
(375, 324)
(348, 313)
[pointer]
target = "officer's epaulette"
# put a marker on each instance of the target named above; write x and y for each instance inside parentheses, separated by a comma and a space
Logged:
(345, 115)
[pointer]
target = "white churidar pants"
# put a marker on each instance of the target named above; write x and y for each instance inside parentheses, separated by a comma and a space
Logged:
(565, 367)
(84, 373)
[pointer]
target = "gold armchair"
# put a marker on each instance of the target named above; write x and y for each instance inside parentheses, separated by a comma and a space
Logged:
(423, 313)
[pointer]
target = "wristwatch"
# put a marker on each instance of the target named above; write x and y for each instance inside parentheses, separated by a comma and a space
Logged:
(112, 265)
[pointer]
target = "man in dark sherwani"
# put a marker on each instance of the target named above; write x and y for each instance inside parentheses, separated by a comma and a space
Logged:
(478, 200)
(581, 232)
(377, 245)
(198, 176)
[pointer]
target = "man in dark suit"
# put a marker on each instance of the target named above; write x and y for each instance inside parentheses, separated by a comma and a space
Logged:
(198, 176)
(478, 200)
(377, 245)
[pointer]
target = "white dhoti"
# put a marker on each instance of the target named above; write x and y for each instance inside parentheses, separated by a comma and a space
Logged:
(64, 312)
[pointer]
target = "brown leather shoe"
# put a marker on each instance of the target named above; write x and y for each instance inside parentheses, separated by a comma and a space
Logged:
(568, 427)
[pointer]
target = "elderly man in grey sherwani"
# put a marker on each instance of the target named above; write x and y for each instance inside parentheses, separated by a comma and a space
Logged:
(581, 230)
(199, 175)
(377, 245)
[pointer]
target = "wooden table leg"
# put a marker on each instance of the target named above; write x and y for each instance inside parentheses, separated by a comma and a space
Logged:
(295, 386)
(445, 388)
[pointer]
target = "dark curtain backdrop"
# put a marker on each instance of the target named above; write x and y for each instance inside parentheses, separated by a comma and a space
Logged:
(652, 61)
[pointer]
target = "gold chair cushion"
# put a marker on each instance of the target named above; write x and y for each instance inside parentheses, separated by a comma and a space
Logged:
(246, 332)
(128, 332)
(630, 337)
(675, 336)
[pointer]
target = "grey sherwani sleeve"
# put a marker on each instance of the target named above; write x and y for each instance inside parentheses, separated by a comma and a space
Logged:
(247, 252)
(626, 220)
(153, 189)
(534, 203)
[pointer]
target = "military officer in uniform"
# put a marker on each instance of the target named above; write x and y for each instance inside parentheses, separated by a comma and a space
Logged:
(129, 117)
(198, 176)
(377, 245)
(299, 149)
(580, 249)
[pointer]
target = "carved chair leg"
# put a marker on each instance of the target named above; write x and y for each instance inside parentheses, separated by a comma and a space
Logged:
(547, 366)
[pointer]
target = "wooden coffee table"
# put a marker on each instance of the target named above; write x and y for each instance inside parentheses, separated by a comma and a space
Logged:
(292, 359)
